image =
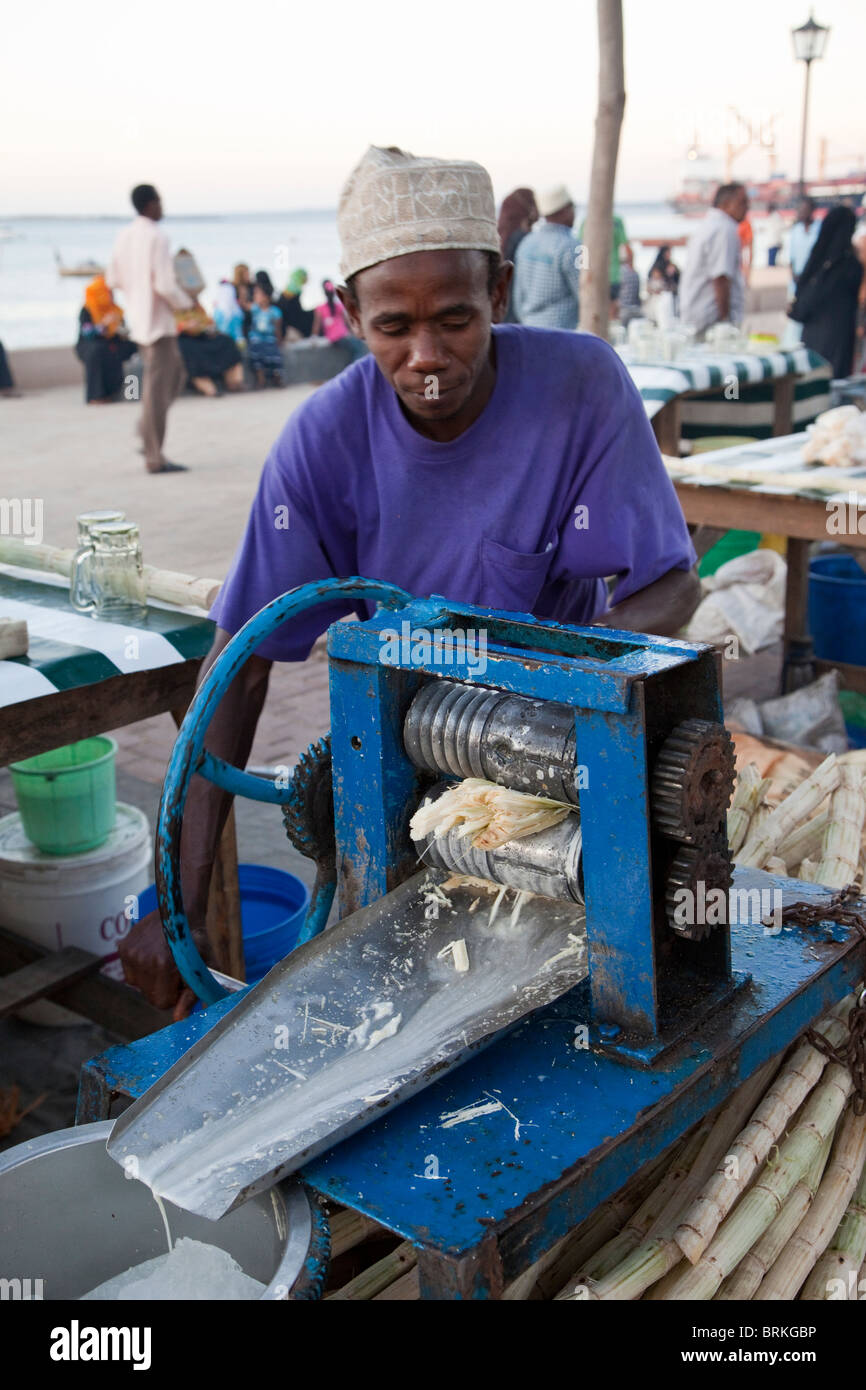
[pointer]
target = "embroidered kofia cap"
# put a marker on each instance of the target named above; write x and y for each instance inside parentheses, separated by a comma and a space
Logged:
(395, 203)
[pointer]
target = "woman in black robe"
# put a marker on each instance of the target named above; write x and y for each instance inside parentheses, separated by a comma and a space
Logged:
(103, 358)
(826, 302)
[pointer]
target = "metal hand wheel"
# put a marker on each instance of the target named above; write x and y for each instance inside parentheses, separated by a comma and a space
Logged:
(189, 756)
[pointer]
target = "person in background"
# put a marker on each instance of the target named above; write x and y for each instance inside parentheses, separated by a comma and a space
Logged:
(629, 304)
(712, 288)
(546, 269)
(227, 313)
(211, 358)
(860, 354)
(803, 235)
(103, 345)
(264, 337)
(141, 268)
(828, 291)
(619, 239)
(7, 381)
(775, 228)
(329, 321)
(243, 285)
(264, 282)
(517, 216)
(663, 275)
(746, 248)
(297, 321)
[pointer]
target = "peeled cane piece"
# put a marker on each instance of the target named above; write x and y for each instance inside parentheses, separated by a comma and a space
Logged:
(790, 813)
(775, 865)
(840, 844)
(796, 1078)
(807, 871)
(749, 791)
(741, 1284)
(658, 1253)
(490, 814)
(844, 1255)
(810, 1241)
(759, 1206)
(805, 841)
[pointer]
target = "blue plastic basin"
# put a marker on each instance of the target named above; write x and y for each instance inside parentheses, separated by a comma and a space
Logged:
(837, 609)
(273, 907)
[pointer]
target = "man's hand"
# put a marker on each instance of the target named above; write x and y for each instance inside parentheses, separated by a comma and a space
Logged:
(149, 965)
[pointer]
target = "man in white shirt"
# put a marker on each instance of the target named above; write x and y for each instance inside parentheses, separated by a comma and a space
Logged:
(803, 235)
(141, 268)
(712, 289)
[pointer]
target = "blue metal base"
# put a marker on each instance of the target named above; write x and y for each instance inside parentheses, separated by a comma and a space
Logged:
(488, 1167)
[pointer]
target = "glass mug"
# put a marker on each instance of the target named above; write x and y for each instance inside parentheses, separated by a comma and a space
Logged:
(107, 574)
(84, 523)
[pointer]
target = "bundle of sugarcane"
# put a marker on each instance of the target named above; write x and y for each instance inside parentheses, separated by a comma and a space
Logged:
(766, 1199)
(814, 833)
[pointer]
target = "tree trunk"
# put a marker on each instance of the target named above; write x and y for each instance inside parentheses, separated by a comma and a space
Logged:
(598, 234)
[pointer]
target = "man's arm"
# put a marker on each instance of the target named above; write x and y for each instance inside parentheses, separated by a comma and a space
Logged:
(571, 269)
(663, 607)
(164, 279)
(722, 291)
(145, 953)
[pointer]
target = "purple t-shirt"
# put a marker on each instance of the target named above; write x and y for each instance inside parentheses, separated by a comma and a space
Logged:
(557, 485)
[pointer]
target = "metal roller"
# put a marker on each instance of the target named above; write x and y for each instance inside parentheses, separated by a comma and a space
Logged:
(548, 863)
(467, 731)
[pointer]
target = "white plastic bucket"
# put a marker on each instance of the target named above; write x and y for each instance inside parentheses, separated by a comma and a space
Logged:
(84, 900)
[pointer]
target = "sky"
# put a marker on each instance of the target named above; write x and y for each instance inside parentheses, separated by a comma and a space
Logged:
(266, 105)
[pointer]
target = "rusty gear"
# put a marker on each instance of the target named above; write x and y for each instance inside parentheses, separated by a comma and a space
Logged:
(692, 781)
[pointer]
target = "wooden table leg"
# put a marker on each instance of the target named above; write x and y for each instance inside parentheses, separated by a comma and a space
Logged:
(797, 590)
(666, 426)
(223, 924)
(783, 405)
(224, 927)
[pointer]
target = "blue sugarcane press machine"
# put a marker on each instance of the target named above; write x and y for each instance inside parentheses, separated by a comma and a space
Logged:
(595, 1021)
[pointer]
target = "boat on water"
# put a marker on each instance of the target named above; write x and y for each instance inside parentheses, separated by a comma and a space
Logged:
(696, 194)
(83, 268)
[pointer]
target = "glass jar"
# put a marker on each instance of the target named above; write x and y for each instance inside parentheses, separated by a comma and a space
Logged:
(108, 574)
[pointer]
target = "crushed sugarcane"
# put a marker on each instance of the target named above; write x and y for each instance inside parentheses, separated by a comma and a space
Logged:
(490, 815)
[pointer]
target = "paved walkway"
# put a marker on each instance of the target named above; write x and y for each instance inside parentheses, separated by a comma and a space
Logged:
(76, 457)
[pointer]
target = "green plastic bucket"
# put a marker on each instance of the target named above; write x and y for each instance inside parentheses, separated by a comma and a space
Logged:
(67, 797)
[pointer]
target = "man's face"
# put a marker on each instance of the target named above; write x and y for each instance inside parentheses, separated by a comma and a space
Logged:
(738, 205)
(154, 209)
(426, 319)
(804, 212)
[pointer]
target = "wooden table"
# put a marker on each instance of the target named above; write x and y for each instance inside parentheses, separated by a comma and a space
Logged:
(796, 384)
(79, 680)
(764, 487)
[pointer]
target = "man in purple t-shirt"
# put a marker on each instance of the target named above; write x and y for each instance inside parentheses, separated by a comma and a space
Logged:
(503, 466)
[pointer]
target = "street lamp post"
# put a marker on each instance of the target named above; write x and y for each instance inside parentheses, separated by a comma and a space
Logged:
(810, 40)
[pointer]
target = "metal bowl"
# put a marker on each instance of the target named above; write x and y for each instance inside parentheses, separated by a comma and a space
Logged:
(70, 1217)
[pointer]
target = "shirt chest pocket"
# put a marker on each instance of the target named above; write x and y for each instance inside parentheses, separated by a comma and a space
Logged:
(513, 579)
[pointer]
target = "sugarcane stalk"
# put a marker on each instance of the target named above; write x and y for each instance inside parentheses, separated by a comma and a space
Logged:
(837, 1188)
(550, 1272)
(743, 1281)
(614, 1251)
(790, 813)
(807, 871)
(805, 841)
(840, 844)
(776, 865)
(797, 1077)
(765, 1199)
(757, 825)
(658, 1252)
(748, 793)
(845, 1253)
(372, 1281)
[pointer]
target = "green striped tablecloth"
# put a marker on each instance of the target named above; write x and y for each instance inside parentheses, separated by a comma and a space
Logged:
(772, 466)
(69, 649)
(751, 411)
